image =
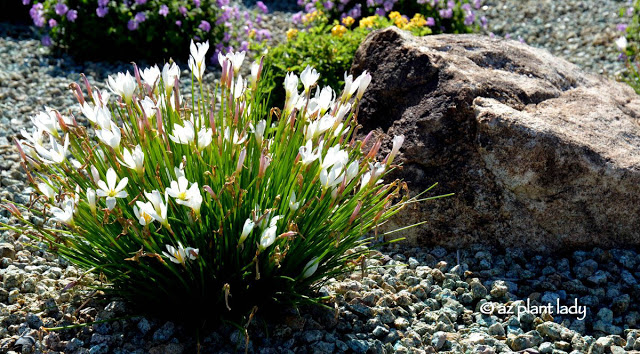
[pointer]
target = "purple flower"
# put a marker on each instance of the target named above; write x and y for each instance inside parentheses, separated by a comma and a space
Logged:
(258, 19)
(178, 23)
(380, 12)
(46, 40)
(183, 10)
(141, 2)
(431, 22)
(102, 11)
(61, 8)
(103, 3)
(492, 35)
(630, 11)
(466, 7)
(262, 7)
(263, 34)
(226, 36)
(451, 4)
(26, 2)
(370, 3)
(205, 26)
(222, 3)
(301, 2)
(53, 23)
(164, 10)
(36, 15)
(446, 13)
(72, 15)
(310, 7)
(388, 5)
(355, 12)
(328, 5)
(477, 3)
(244, 46)
(507, 36)
(421, 2)
(483, 22)
(621, 27)
(196, 3)
(140, 17)
(132, 25)
(297, 17)
(521, 40)
(468, 20)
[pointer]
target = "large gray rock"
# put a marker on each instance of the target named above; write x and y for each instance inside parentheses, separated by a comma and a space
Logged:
(539, 153)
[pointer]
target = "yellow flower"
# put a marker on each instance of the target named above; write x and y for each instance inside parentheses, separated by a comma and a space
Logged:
(338, 30)
(348, 21)
(394, 15)
(252, 33)
(418, 20)
(291, 33)
(368, 22)
(401, 22)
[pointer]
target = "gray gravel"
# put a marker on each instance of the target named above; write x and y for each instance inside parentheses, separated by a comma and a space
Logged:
(409, 300)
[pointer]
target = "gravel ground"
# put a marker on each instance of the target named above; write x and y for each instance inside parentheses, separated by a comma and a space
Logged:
(422, 300)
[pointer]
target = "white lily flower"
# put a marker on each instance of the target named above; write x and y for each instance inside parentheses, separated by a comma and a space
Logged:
(143, 212)
(291, 85)
(190, 197)
(47, 190)
(111, 190)
(323, 100)
(335, 156)
(238, 87)
(149, 107)
(159, 212)
(307, 154)
(180, 255)
(237, 139)
(259, 130)
(197, 58)
(364, 80)
(331, 178)
(183, 134)
(268, 237)
(375, 171)
(350, 86)
(135, 160)
(622, 43)
(249, 224)
(253, 78)
(236, 60)
(241, 158)
(91, 200)
(293, 204)
(123, 85)
(97, 114)
(150, 75)
(310, 268)
(110, 137)
(57, 153)
(309, 77)
(205, 137)
(397, 144)
(47, 121)
(64, 214)
(169, 75)
(102, 98)
(35, 138)
(325, 123)
(352, 170)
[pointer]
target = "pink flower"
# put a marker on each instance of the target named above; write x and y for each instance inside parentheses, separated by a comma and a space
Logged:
(205, 26)
(61, 8)
(53, 23)
(72, 15)
(164, 10)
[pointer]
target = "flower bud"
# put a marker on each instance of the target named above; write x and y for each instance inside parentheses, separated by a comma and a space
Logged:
(91, 200)
(246, 230)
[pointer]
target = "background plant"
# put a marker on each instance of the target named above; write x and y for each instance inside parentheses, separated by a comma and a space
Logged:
(329, 46)
(144, 29)
(208, 208)
(629, 44)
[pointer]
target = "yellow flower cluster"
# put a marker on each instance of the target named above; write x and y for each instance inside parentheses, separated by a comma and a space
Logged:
(310, 17)
(402, 22)
(418, 20)
(338, 30)
(291, 33)
(348, 21)
(369, 22)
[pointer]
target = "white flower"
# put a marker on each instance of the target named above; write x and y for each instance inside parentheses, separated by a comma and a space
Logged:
(169, 75)
(135, 160)
(47, 121)
(253, 78)
(249, 224)
(97, 114)
(183, 134)
(111, 190)
(259, 130)
(350, 86)
(291, 85)
(102, 98)
(307, 154)
(352, 170)
(57, 153)
(309, 77)
(293, 204)
(236, 60)
(331, 178)
(47, 190)
(335, 156)
(91, 200)
(197, 58)
(123, 85)
(110, 137)
(397, 144)
(365, 80)
(190, 197)
(64, 215)
(150, 75)
(622, 43)
(375, 171)
(238, 87)
(310, 267)
(322, 100)
(180, 255)
(268, 237)
(205, 137)
(241, 157)
(159, 212)
(143, 212)
(149, 107)
(35, 138)
(237, 139)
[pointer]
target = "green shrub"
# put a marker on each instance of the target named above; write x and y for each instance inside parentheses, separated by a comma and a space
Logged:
(629, 44)
(145, 29)
(205, 209)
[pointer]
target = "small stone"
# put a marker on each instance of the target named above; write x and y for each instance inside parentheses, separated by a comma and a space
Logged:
(496, 329)
(438, 340)
(413, 263)
(12, 298)
(7, 251)
(312, 336)
(585, 269)
(499, 289)
(551, 330)
(380, 331)
(621, 304)
(101, 348)
(34, 321)
(165, 332)
(401, 323)
(73, 345)
(545, 347)
(477, 289)
(144, 326)
(322, 347)
(605, 315)
(599, 278)
(358, 345)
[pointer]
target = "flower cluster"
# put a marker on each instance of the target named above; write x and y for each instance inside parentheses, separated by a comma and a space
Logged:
(126, 25)
(451, 16)
(219, 203)
(627, 43)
